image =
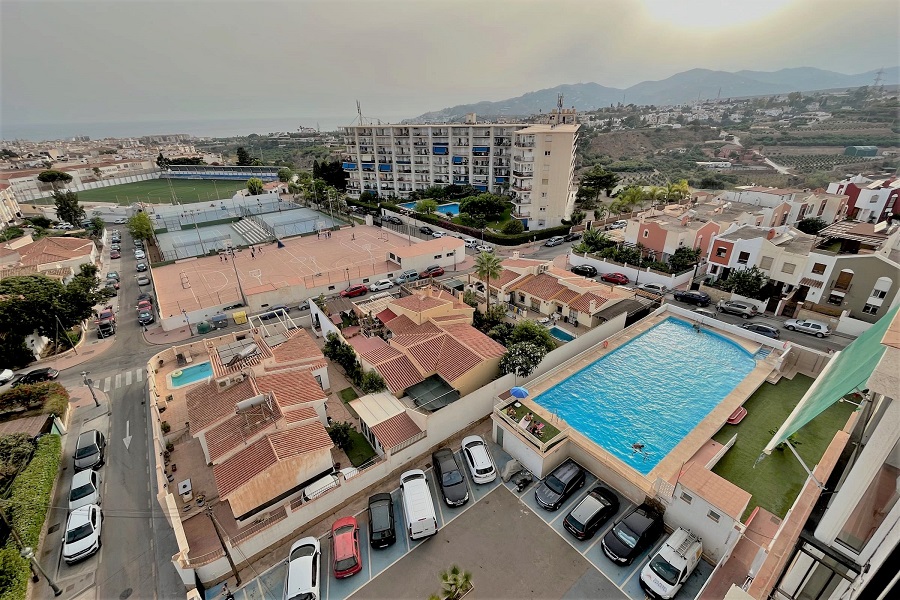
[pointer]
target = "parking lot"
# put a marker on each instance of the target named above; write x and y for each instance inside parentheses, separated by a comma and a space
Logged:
(513, 548)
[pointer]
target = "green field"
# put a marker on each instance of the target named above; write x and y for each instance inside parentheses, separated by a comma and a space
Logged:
(157, 191)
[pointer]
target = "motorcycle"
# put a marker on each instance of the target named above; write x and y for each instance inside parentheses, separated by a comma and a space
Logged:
(524, 478)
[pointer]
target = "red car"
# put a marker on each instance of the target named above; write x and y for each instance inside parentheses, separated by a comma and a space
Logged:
(432, 271)
(345, 547)
(144, 305)
(354, 290)
(619, 278)
(115, 254)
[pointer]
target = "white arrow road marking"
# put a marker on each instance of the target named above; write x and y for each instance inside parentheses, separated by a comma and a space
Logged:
(127, 439)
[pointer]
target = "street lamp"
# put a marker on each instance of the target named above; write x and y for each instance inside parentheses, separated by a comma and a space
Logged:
(90, 385)
(187, 320)
(28, 554)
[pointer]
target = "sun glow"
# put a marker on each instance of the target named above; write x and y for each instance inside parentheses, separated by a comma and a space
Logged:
(713, 13)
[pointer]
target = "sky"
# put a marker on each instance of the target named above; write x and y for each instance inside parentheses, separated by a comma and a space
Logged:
(84, 61)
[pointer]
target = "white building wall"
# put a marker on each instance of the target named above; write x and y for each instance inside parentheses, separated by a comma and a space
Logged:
(697, 515)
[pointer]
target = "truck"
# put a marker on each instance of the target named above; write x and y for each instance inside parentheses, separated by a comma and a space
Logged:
(672, 564)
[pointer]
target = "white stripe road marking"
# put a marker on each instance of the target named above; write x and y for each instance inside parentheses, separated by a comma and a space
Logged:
(140, 375)
(107, 383)
(118, 380)
(128, 378)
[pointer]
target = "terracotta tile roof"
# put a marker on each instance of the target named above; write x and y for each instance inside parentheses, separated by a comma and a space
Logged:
(418, 303)
(810, 282)
(474, 339)
(443, 320)
(206, 404)
(300, 414)
(363, 344)
(381, 354)
(506, 277)
(583, 303)
(716, 490)
(427, 352)
(262, 454)
(566, 296)
(395, 431)
(300, 347)
(399, 373)
(54, 249)
(235, 431)
(385, 315)
(291, 388)
(33, 270)
(456, 360)
(541, 286)
(400, 324)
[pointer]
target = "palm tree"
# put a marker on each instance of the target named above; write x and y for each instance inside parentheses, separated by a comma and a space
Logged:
(487, 267)
(455, 582)
(656, 195)
(678, 191)
(601, 212)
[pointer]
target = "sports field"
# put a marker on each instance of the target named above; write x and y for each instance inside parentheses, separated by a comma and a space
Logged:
(157, 191)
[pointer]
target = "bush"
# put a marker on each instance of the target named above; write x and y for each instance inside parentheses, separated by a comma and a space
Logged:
(372, 382)
(513, 226)
(340, 434)
(50, 396)
(15, 450)
(14, 573)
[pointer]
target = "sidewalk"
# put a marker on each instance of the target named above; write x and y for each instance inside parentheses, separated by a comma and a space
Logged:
(156, 335)
(85, 351)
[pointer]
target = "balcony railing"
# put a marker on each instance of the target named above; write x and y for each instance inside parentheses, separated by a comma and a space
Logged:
(519, 173)
(521, 188)
(523, 159)
(520, 144)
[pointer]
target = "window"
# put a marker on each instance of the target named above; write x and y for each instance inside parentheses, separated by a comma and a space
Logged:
(879, 293)
(788, 268)
(546, 153)
(818, 269)
(714, 516)
(743, 257)
(766, 262)
(714, 269)
(836, 299)
(686, 498)
(646, 233)
(543, 194)
(821, 210)
(784, 218)
(437, 256)
(721, 251)
(548, 138)
(870, 309)
(545, 181)
(874, 199)
(542, 209)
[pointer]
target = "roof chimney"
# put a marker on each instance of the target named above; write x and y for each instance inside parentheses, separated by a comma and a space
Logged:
(592, 306)
(771, 234)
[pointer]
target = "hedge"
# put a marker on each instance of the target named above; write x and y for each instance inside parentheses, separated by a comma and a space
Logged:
(50, 397)
(27, 507)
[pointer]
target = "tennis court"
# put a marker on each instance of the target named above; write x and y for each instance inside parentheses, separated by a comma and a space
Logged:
(158, 191)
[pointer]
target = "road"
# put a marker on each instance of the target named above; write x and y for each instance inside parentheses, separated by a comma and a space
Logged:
(135, 560)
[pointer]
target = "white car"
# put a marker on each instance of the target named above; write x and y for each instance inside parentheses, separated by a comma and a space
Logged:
(120, 221)
(470, 242)
(139, 254)
(381, 284)
(6, 376)
(85, 489)
(484, 248)
(64, 226)
(82, 538)
(816, 328)
(438, 234)
(478, 457)
(302, 580)
(618, 225)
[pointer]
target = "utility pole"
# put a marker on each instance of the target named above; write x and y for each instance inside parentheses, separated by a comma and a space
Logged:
(209, 513)
(90, 385)
(27, 553)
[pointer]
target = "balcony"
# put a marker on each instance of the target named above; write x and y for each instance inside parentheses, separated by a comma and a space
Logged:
(527, 174)
(521, 188)
(461, 180)
(524, 144)
(523, 159)
(519, 201)
(522, 215)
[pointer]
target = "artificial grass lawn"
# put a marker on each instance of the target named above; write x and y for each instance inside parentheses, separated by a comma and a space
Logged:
(157, 191)
(549, 431)
(776, 481)
(360, 451)
(348, 394)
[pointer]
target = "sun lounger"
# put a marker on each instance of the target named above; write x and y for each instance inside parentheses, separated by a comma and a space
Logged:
(737, 416)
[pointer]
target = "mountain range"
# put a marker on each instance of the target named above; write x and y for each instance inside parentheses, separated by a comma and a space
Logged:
(678, 89)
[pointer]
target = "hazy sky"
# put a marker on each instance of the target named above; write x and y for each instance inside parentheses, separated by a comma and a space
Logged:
(88, 61)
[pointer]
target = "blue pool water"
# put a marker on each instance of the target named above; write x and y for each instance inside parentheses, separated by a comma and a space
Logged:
(561, 334)
(652, 390)
(452, 208)
(192, 374)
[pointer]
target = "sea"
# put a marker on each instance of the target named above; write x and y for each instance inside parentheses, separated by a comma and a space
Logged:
(199, 128)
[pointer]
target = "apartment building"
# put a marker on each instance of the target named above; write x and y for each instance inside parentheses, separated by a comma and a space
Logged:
(802, 204)
(869, 200)
(9, 208)
(534, 163)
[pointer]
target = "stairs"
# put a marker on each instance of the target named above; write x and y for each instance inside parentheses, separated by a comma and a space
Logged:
(762, 353)
(251, 231)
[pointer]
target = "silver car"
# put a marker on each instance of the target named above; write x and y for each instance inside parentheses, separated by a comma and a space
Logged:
(816, 328)
(85, 489)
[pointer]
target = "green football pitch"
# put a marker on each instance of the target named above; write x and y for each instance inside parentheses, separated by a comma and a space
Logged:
(158, 191)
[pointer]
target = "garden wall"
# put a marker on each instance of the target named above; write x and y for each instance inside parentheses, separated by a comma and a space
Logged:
(636, 275)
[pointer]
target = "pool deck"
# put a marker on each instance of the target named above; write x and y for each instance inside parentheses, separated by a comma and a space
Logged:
(692, 442)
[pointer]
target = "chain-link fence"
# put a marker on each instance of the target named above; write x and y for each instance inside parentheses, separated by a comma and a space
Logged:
(196, 247)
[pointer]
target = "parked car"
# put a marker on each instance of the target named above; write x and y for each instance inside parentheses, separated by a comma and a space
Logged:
(426, 230)
(485, 248)
(585, 270)
(139, 255)
(594, 510)
(64, 227)
(617, 278)
(149, 298)
(113, 283)
(692, 297)
(449, 477)
(617, 225)
(354, 290)
(381, 521)
(274, 312)
(345, 547)
(145, 317)
(113, 275)
(632, 533)
(432, 271)
(141, 267)
(703, 312)
(572, 237)
(672, 564)
(556, 240)
(559, 485)
(114, 254)
(143, 280)
(6, 376)
(120, 221)
(139, 244)
(394, 220)
(654, 288)
(105, 314)
(302, 579)
(90, 450)
(406, 277)
(763, 329)
(470, 242)
(115, 246)
(479, 460)
(418, 505)
(105, 328)
(745, 310)
(35, 376)
(113, 287)
(816, 328)
(85, 489)
(381, 285)
(82, 537)
(438, 234)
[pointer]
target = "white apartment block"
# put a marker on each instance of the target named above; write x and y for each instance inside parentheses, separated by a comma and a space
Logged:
(9, 208)
(534, 163)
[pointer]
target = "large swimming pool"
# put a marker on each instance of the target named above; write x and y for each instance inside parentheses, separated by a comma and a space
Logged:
(451, 208)
(653, 390)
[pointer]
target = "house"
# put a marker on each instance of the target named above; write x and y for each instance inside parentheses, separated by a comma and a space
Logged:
(48, 253)
(869, 200)
(827, 206)
(386, 422)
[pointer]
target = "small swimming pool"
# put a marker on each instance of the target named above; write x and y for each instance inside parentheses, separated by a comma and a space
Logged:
(653, 391)
(451, 208)
(189, 375)
(561, 334)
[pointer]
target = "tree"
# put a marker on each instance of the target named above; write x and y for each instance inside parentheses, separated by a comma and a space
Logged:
(601, 212)
(513, 227)
(470, 298)
(369, 197)
(522, 359)
(684, 258)
(372, 382)
(140, 227)
(67, 207)
(162, 162)
(811, 225)
(631, 197)
(599, 180)
(455, 583)
(97, 225)
(530, 331)
(243, 157)
(491, 206)
(747, 282)
(332, 172)
(678, 191)
(487, 267)
(577, 217)
(339, 432)
(285, 175)
(426, 207)
(54, 178)
(255, 186)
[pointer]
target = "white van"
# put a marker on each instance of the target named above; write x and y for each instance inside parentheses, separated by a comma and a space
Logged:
(672, 564)
(319, 487)
(418, 505)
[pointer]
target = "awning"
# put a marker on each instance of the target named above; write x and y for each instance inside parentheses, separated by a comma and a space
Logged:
(481, 149)
(349, 166)
(849, 370)
(386, 168)
(441, 150)
(457, 160)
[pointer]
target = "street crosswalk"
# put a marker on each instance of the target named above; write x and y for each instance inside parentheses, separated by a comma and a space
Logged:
(114, 382)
